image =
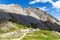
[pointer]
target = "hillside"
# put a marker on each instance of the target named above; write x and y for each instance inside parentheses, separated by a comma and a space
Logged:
(14, 18)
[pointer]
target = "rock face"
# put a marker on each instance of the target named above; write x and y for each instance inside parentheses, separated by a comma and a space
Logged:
(33, 17)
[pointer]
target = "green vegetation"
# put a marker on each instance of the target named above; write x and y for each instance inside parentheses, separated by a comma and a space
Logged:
(42, 35)
(21, 26)
(1, 32)
(39, 35)
(18, 26)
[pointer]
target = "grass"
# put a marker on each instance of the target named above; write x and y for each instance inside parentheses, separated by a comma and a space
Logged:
(18, 26)
(39, 35)
(1, 32)
(42, 35)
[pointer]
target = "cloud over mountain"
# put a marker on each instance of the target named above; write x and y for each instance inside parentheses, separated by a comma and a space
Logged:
(42, 1)
(54, 4)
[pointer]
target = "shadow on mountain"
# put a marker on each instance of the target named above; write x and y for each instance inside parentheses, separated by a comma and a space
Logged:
(35, 23)
(29, 21)
(51, 26)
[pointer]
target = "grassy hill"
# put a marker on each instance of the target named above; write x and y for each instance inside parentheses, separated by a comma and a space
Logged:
(38, 35)
(12, 26)
(42, 35)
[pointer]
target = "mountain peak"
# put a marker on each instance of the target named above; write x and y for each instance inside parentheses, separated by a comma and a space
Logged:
(29, 16)
(14, 8)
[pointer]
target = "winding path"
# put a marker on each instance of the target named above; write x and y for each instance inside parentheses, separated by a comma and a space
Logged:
(24, 32)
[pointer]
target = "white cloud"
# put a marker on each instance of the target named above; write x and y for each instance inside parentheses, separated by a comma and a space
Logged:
(33, 2)
(42, 1)
(56, 4)
(37, 0)
(43, 8)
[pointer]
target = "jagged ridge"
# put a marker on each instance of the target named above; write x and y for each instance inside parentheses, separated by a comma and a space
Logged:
(29, 16)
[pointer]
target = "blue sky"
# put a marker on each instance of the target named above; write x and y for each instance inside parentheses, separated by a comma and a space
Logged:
(50, 6)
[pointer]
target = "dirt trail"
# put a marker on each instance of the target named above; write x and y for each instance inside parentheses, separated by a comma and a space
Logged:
(24, 32)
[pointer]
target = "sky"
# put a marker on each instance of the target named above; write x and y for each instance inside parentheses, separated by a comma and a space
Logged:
(50, 6)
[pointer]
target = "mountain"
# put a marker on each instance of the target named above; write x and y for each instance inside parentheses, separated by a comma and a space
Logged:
(33, 17)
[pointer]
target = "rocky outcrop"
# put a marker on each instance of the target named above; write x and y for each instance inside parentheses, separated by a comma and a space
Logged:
(33, 17)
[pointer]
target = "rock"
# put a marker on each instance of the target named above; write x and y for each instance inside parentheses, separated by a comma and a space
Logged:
(33, 17)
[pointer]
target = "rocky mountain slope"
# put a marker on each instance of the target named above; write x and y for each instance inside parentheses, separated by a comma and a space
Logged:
(33, 17)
